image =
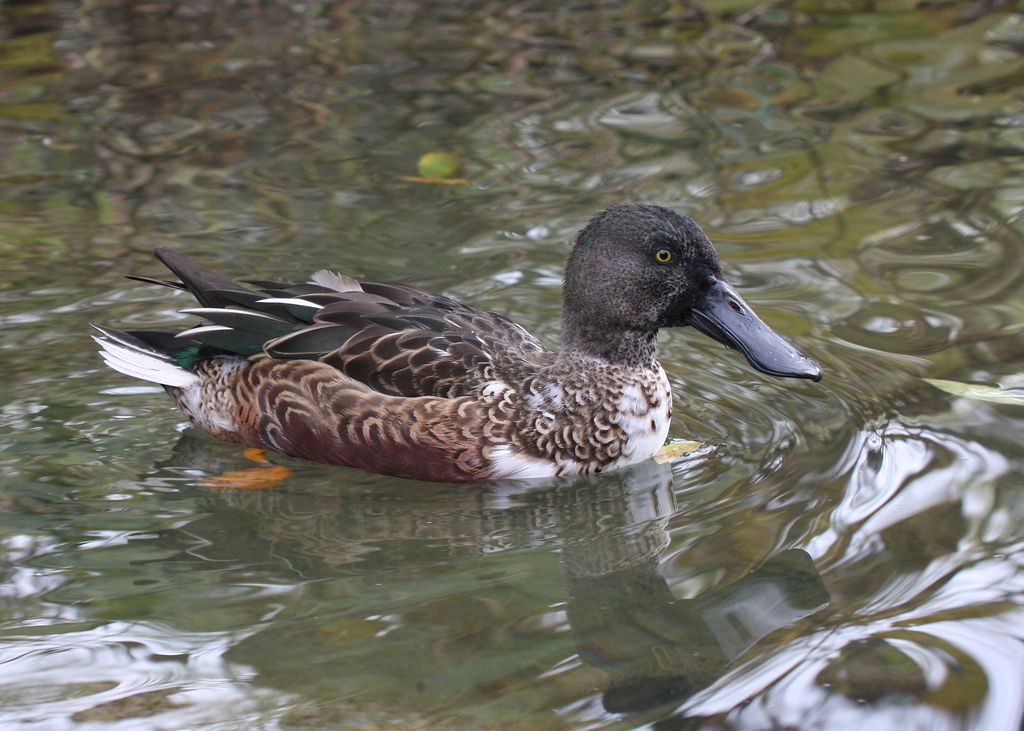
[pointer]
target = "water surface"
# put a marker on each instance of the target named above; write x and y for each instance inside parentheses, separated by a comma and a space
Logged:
(837, 555)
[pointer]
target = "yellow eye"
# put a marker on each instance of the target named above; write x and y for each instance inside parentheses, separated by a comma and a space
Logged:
(664, 256)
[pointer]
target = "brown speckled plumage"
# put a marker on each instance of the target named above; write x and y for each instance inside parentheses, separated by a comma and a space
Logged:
(394, 379)
(309, 409)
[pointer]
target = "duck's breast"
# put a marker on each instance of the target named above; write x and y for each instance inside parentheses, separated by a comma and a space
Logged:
(645, 412)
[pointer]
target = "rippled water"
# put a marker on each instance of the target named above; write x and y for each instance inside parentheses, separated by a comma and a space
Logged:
(838, 555)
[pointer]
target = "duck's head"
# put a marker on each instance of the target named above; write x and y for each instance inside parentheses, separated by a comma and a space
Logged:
(637, 268)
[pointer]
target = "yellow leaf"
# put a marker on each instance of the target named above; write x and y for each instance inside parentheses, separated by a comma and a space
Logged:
(437, 181)
(438, 165)
(674, 450)
(980, 392)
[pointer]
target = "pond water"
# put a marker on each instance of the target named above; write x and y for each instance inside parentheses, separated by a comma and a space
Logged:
(840, 555)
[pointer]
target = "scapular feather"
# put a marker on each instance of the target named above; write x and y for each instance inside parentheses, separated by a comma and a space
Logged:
(346, 311)
(204, 285)
(231, 341)
(334, 280)
(234, 298)
(162, 282)
(395, 323)
(401, 294)
(310, 342)
(400, 339)
(257, 323)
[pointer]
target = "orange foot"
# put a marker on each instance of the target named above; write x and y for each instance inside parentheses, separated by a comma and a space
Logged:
(265, 476)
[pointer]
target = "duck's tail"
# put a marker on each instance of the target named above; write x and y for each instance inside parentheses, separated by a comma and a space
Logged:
(143, 355)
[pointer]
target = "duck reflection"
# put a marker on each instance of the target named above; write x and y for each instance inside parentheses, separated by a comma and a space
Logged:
(609, 532)
(657, 649)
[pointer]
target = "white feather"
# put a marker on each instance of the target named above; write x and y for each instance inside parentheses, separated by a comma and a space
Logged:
(202, 329)
(135, 361)
(520, 467)
(493, 390)
(646, 428)
(212, 312)
(294, 301)
(335, 281)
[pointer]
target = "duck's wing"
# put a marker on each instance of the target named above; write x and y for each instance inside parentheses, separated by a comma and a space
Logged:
(397, 339)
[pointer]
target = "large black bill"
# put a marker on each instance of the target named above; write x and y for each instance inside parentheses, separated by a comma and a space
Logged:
(725, 317)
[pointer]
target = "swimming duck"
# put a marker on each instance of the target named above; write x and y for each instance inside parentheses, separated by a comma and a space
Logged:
(394, 379)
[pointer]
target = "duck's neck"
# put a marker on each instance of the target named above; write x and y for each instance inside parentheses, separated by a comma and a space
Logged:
(626, 348)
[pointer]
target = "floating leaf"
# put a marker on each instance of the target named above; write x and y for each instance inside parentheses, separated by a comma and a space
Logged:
(438, 181)
(980, 392)
(674, 450)
(32, 110)
(351, 630)
(438, 165)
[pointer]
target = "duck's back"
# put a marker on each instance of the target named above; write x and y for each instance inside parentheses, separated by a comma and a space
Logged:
(396, 339)
(384, 377)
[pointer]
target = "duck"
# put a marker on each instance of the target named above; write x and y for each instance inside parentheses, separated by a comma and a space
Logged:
(397, 380)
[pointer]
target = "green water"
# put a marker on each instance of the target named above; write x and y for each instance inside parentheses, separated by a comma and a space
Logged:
(841, 555)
